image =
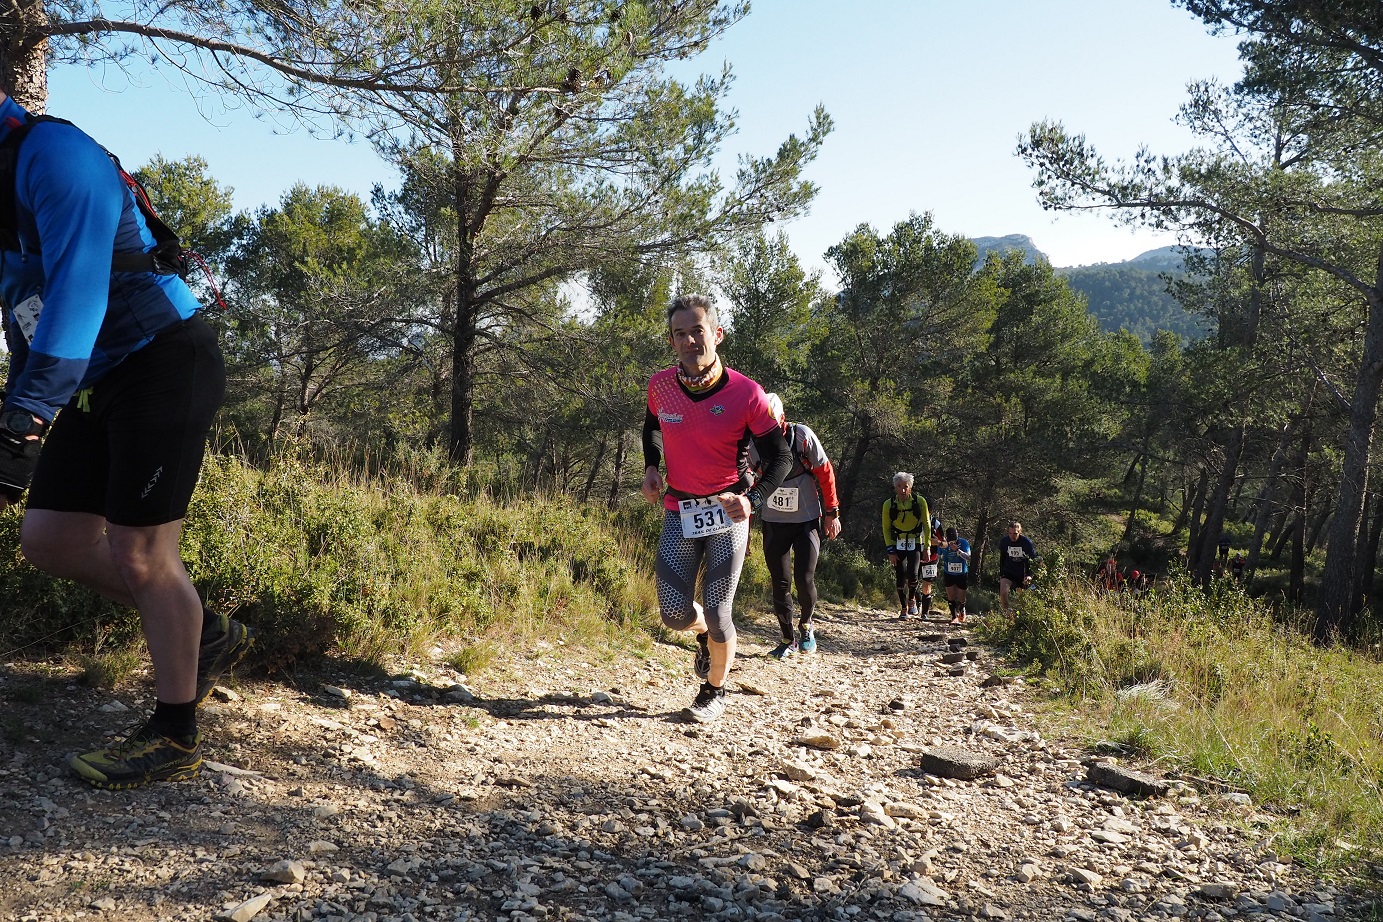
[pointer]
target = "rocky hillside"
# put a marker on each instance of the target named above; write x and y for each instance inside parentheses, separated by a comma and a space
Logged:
(565, 785)
(1021, 242)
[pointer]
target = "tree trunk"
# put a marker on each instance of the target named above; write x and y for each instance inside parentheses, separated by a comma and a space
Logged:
(24, 61)
(1264, 501)
(1184, 513)
(618, 473)
(1137, 495)
(1296, 579)
(1356, 592)
(1313, 539)
(1333, 614)
(1369, 564)
(536, 463)
(1193, 524)
(461, 444)
(1296, 533)
(1279, 524)
(595, 469)
(849, 478)
(980, 543)
(1215, 515)
(1283, 535)
(275, 420)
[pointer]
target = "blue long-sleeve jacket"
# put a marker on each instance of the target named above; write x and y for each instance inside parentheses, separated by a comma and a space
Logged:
(69, 319)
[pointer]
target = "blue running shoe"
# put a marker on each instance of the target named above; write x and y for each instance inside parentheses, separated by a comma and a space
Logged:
(808, 642)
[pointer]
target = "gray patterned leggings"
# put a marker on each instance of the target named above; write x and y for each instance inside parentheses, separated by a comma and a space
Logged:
(679, 560)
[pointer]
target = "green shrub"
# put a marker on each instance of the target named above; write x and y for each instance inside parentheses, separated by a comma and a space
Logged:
(844, 572)
(41, 613)
(1226, 687)
(322, 561)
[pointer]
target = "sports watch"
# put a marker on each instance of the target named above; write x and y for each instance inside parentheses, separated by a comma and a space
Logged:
(756, 499)
(21, 423)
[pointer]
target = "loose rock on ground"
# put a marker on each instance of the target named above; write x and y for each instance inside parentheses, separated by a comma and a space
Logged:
(561, 786)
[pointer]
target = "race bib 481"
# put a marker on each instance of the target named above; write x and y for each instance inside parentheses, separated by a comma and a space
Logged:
(783, 499)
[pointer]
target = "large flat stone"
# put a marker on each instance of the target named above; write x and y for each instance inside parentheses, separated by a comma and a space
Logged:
(1125, 780)
(953, 762)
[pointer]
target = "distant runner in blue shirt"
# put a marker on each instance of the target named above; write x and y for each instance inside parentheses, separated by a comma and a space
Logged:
(114, 381)
(955, 570)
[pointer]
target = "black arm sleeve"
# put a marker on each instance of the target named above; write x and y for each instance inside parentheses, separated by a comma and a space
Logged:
(776, 461)
(652, 440)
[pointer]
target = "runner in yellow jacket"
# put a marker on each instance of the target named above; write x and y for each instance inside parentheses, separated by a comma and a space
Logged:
(907, 536)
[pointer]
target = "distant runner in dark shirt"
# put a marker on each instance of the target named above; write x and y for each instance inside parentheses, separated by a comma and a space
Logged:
(793, 519)
(1017, 554)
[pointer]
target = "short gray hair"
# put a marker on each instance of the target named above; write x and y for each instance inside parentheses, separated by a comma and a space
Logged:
(904, 478)
(694, 302)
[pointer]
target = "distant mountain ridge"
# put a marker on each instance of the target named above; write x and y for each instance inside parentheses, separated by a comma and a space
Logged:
(1127, 295)
(1023, 242)
(1162, 259)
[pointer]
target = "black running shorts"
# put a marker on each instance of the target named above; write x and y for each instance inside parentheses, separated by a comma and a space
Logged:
(958, 580)
(130, 448)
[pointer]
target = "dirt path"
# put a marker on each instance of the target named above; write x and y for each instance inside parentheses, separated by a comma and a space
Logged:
(561, 787)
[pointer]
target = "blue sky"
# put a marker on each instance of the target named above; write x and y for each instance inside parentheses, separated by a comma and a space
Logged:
(928, 97)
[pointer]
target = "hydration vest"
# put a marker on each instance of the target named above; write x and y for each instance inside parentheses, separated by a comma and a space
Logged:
(166, 258)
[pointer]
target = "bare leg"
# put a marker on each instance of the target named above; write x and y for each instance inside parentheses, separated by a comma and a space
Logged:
(722, 658)
(139, 567)
(168, 604)
(74, 545)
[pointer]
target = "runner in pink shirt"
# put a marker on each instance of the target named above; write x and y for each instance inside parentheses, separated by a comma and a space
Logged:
(701, 418)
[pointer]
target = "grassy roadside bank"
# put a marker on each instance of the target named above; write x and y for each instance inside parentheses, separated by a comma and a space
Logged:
(1217, 686)
(321, 561)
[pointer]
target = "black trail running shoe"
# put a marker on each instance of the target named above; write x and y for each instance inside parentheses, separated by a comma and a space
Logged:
(701, 665)
(224, 644)
(143, 757)
(708, 706)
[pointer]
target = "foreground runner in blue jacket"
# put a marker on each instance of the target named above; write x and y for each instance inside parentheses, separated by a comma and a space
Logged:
(114, 381)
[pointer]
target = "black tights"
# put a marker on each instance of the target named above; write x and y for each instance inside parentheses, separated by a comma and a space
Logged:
(905, 572)
(795, 546)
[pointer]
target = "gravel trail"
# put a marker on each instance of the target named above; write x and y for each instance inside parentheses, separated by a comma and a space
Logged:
(561, 786)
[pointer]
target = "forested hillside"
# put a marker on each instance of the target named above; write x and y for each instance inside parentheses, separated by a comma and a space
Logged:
(1124, 296)
(1130, 295)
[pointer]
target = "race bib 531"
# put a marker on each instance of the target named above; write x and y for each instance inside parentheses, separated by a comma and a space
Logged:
(702, 518)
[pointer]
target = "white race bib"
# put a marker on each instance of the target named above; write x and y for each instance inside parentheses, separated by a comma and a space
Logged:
(1016, 551)
(26, 315)
(784, 499)
(702, 518)
(956, 567)
(908, 543)
(929, 571)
